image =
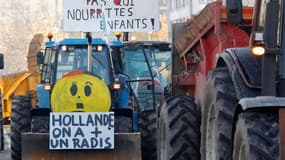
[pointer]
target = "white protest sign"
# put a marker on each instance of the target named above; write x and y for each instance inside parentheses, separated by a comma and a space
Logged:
(81, 130)
(119, 15)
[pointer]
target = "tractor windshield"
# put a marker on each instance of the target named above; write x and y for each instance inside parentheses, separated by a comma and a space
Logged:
(135, 62)
(140, 65)
(140, 62)
(71, 58)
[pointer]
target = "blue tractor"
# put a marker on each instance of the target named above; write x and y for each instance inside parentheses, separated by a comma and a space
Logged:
(77, 76)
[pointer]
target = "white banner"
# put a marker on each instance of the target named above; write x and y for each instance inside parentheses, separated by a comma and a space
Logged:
(116, 15)
(81, 130)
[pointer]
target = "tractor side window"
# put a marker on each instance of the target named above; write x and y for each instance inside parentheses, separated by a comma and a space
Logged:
(47, 71)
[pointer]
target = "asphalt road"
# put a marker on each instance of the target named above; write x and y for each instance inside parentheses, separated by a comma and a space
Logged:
(6, 153)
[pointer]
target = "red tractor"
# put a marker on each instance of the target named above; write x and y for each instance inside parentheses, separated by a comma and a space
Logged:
(225, 100)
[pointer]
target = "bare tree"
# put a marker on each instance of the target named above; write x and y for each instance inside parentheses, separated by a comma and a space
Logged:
(21, 21)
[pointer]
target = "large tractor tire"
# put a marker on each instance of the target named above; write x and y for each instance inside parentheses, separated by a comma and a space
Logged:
(40, 124)
(1, 126)
(256, 137)
(218, 109)
(148, 128)
(179, 130)
(123, 124)
(20, 122)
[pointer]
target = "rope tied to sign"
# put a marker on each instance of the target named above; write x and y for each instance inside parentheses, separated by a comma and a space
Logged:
(106, 32)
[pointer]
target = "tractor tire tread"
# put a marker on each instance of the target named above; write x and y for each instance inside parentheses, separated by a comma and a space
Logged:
(148, 129)
(261, 130)
(221, 94)
(182, 119)
(20, 122)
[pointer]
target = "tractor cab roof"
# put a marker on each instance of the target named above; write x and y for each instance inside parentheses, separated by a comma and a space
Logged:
(161, 45)
(81, 41)
(148, 42)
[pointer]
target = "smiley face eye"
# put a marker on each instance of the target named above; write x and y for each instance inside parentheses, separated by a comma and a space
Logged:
(87, 90)
(73, 89)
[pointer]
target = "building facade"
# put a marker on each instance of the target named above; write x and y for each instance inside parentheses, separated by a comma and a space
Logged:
(180, 10)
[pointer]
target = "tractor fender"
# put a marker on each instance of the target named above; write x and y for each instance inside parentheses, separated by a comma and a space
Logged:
(245, 71)
(43, 97)
(126, 112)
(40, 112)
(260, 102)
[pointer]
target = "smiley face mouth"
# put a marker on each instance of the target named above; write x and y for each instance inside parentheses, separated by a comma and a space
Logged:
(79, 105)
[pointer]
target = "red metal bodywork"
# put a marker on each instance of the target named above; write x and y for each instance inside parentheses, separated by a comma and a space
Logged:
(196, 47)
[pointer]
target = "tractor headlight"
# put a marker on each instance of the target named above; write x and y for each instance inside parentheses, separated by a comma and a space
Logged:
(258, 50)
(116, 84)
(47, 87)
(64, 48)
(99, 48)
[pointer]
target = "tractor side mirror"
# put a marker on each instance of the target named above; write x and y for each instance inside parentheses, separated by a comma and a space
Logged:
(234, 11)
(1, 61)
(40, 58)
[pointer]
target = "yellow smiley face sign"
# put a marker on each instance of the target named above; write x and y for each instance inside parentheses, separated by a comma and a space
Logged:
(80, 92)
